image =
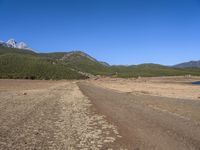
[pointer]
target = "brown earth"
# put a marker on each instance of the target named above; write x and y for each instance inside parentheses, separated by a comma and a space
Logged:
(51, 115)
(173, 87)
(149, 122)
(146, 114)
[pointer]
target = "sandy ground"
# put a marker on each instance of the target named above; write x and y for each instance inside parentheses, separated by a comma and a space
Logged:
(178, 90)
(173, 87)
(19, 85)
(105, 114)
(145, 125)
(51, 115)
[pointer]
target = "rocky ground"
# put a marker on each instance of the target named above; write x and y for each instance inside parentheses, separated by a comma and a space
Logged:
(51, 115)
(100, 114)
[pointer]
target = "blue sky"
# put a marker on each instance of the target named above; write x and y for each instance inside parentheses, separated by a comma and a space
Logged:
(116, 31)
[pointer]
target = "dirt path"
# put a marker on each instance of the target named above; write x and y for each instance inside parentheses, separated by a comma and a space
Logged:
(58, 117)
(142, 126)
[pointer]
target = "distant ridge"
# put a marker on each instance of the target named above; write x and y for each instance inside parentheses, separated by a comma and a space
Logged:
(18, 62)
(80, 61)
(76, 55)
(190, 64)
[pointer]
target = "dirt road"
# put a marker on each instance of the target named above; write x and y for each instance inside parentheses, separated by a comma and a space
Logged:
(145, 127)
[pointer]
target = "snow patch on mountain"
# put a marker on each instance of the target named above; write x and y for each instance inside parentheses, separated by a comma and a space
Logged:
(11, 43)
(22, 45)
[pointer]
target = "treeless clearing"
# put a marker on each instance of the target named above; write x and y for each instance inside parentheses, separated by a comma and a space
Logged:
(14, 84)
(149, 122)
(145, 113)
(174, 87)
(51, 115)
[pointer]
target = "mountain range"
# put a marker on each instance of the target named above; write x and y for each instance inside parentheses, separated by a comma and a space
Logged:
(11, 43)
(19, 61)
(190, 64)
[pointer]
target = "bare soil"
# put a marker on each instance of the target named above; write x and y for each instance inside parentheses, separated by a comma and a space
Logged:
(136, 114)
(149, 122)
(51, 115)
(173, 87)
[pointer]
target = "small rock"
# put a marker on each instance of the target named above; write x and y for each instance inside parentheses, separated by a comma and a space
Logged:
(24, 93)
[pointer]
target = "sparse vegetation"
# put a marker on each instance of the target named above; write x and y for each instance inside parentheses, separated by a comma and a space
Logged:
(26, 64)
(152, 70)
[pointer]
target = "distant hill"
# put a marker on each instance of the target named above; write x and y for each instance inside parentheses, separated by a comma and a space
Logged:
(6, 50)
(27, 64)
(151, 70)
(68, 55)
(191, 64)
(105, 63)
(80, 61)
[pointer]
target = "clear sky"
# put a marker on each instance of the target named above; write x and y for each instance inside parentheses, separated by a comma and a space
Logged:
(116, 31)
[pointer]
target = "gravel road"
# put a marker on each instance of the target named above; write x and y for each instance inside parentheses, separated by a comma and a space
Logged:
(142, 126)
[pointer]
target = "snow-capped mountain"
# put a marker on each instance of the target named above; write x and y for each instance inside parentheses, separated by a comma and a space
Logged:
(11, 43)
(22, 45)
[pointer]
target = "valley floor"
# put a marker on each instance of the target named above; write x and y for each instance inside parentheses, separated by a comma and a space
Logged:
(50, 115)
(173, 87)
(146, 114)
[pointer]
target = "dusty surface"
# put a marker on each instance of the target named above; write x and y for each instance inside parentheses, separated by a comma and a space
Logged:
(19, 85)
(51, 115)
(106, 114)
(148, 122)
(174, 87)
